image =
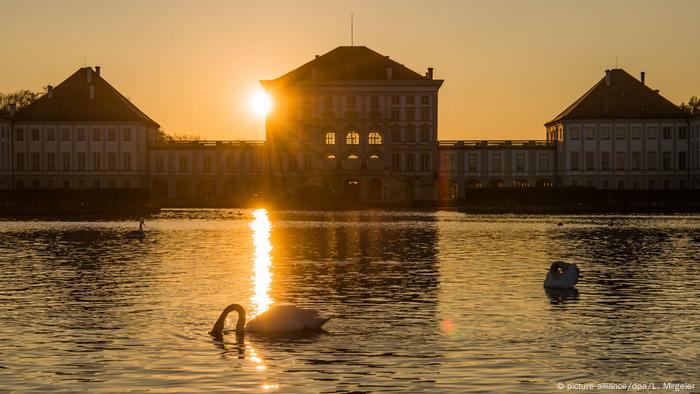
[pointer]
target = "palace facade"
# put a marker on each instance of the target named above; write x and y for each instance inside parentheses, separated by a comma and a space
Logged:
(350, 125)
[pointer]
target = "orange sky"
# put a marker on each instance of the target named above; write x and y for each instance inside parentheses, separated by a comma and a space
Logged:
(509, 66)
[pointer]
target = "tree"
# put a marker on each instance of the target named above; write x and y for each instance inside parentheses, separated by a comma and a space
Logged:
(21, 99)
(693, 106)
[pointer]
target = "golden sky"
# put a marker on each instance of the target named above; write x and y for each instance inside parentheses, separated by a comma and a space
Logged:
(508, 66)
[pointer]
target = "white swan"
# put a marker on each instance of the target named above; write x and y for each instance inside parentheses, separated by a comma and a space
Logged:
(562, 275)
(137, 234)
(277, 319)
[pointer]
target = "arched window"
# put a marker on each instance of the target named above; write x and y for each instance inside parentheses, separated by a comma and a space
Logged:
(410, 133)
(395, 133)
(330, 157)
(424, 133)
(353, 156)
(330, 138)
(352, 138)
(375, 138)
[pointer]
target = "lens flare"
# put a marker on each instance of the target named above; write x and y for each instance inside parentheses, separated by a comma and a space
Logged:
(262, 280)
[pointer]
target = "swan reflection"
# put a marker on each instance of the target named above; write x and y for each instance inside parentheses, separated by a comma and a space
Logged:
(262, 279)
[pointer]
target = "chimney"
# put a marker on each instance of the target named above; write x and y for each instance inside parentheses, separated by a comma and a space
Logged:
(389, 73)
(13, 109)
(97, 70)
(607, 78)
(317, 56)
(49, 89)
(642, 77)
(429, 74)
(88, 72)
(92, 92)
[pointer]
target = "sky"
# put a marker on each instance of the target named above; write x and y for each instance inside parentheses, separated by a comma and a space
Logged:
(508, 66)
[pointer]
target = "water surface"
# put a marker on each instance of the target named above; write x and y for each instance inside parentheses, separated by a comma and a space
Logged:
(422, 301)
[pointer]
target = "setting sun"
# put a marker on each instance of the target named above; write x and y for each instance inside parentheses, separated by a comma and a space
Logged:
(261, 103)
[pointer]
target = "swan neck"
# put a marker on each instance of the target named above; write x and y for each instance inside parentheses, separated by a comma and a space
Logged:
(219, 325)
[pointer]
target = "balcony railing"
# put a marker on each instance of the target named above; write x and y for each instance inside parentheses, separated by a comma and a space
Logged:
(518, 144)
(208, 144)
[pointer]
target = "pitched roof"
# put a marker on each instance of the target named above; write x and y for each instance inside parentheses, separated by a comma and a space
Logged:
(71, 101)
(349, 63)
(624, 97)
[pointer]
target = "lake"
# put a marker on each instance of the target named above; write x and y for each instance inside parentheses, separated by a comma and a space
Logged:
(420, 300)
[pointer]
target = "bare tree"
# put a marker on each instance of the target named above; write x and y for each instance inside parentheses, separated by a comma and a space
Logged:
(20, 98)
(693, 106)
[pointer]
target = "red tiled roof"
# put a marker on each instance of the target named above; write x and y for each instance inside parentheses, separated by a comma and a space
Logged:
(624, 98)
(355, 63)
(71, 101)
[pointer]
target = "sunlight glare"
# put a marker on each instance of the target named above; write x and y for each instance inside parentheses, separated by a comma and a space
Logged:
(261, 103)
(262, 279)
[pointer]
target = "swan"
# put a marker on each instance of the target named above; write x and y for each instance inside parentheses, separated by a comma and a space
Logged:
(277, 319)
(562, 275)
(137, 234)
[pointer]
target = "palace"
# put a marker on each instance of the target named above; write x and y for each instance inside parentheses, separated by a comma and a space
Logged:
(351, 125)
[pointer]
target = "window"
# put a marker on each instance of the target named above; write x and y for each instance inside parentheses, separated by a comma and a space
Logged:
(111, 161)
(183, 163)
(66, 184)
(635, 184)
(590, 183)
(352, 138)
(96, 134)
(636, 161)
(330, 157)
(520, 162)
(327, 102)
(520, 183)
(111, 134)
(651, 160)
(544, 162)
(605, 133)
(425, 162)
(410, 133)
(65, 134)
(50, 135)
(573, 161)
(682, 134)
(81, 161)
(620, 133)
(127, 184)
(19, 135)
(651, 133)
(605, 161)
(50, 184)
(454, 191)
(621, 184)
(471, 162)
(667, 183)
(206, 163)
(20, 162)
(352, 101)
(620, 160)
(410, 114)
(652, 184)
(424, 115)
(590, 161)
(636, 132)
(606, 184)
(374, 156)
(330, 138)
(95, 184)
(375, 138)
(395, 162)
(666, 161)
(51, 162)
(410, 162)
(590, 133)
(424, 133)
(424, 100)
(126, 134)
(410, 100)
(96, 162)
(126, 165)
(496, 162)
(395, 114)
(160, 164)
(35, 134)
(374, 102)
(35, 161)
(666, 130)
(353, 156)
(111, 183)
(395, 100)
(66, 162)
(574, 133)
(80, 134)
(681, 160)
(395, 133)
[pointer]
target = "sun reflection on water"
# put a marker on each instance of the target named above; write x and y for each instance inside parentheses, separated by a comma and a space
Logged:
(262, 279)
